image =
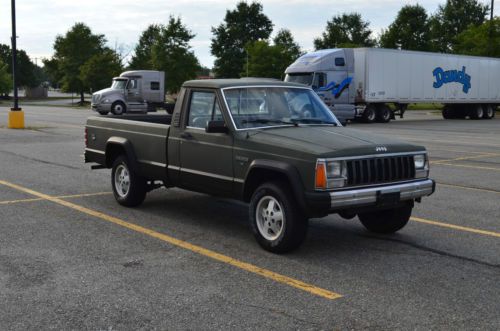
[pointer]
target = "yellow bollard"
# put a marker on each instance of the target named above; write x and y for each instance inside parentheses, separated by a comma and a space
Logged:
(16, 119)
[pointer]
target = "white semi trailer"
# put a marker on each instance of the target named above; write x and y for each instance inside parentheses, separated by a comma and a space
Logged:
(369, 79)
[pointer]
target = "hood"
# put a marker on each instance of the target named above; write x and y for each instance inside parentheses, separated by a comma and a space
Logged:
(329, 141)
(107, 91)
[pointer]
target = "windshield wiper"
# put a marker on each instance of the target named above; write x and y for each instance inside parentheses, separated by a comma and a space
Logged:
(313, 121)
(267, 121)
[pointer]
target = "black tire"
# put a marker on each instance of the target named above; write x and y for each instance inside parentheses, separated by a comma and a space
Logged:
(103, 112)
(447, 113)
(118, 108)
(370, 114)
(488, 112)
(383, 114)
(293, 228)
(386, 221)
(476, 112)
(136, 192)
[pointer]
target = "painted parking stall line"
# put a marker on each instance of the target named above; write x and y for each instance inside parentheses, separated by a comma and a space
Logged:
(312, 289)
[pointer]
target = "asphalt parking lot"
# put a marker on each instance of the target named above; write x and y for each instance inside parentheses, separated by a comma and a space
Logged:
(72, 258)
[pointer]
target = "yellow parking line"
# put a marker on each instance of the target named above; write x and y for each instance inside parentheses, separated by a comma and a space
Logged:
(468, 188)
(466, 158)
(8, 202)
(186, 245)
(468, 166)
(456, 227)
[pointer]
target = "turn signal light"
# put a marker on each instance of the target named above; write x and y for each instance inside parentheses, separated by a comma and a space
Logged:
(321, 181)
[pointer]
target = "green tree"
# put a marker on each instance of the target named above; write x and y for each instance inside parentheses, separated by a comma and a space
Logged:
(142, 52)
(26, 70)
(482, 40)
(5, 79)
(244, 25)
(452, 19)
(265, 60)
(98, 71)
(346, 30)
(51, 71)
(170, 52)
(410, 30)
(72, 51)
(290, 47)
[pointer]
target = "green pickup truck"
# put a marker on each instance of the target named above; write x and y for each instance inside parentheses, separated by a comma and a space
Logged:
(272, 144)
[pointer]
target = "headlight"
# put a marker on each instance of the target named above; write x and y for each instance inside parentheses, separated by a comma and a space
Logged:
(106, 101)
(421, 165)
(419, 161)
(330, 174)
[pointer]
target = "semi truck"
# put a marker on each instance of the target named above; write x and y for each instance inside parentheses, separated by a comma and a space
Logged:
(133, 91)
(374, 84)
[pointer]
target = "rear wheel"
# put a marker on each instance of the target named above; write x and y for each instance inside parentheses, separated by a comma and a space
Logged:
(488, 112)
(129, 188)
(476, 112)
(278, 225)
(369, 114)
(118, 108)
(386, 221)
(383, 114)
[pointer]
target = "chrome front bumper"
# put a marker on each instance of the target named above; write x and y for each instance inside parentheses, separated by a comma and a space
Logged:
(369, 196)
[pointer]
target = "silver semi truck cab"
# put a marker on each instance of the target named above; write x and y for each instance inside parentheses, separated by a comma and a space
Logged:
(133, 91)
(330, 73)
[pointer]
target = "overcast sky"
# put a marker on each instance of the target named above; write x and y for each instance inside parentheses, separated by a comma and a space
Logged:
(122, 21)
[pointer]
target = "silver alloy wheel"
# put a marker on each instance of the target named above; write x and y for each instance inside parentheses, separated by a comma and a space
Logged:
(122, 180)
(270, 218)
(489, 112)
(371, 115)
(118, 109)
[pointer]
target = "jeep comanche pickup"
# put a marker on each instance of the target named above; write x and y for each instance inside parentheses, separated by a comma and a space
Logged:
(272, 144)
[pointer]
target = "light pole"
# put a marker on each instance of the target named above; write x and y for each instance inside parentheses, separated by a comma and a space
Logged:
(16, 114)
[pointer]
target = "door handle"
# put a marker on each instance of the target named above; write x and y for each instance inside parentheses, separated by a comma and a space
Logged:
(186, 135)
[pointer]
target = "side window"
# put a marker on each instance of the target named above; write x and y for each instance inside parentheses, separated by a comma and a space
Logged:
(319, 80)
(132, 84)
(203, 108)
(339, 61)
(155, 86)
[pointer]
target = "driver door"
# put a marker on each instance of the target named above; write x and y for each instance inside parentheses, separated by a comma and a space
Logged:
(206, 159)
(133, 93)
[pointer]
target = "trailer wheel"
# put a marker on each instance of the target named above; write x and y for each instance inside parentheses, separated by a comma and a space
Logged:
(369, 114)
(118, 108)
(477, 112)
(448, 112)
(489, 112)
(383, 114)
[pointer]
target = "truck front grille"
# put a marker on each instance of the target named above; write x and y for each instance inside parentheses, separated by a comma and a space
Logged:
(380, 170)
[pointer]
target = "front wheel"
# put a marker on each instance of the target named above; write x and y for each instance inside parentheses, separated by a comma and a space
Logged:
(277, 223)
(118, 108)
(386, 221)
(129, 188)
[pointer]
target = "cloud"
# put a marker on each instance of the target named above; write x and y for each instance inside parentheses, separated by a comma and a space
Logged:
(122, 21)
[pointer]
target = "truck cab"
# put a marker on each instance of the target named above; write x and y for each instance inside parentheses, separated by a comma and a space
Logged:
(133, 91)
(329, 73)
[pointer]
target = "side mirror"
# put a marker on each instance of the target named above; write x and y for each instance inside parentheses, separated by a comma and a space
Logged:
(216, 127)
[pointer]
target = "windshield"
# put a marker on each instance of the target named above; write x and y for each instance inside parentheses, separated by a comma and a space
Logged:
(302, 78)
(260, 107)
(119, 84)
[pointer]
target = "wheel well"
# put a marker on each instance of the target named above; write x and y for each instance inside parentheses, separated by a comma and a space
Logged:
(112, 152)
(256, 177)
